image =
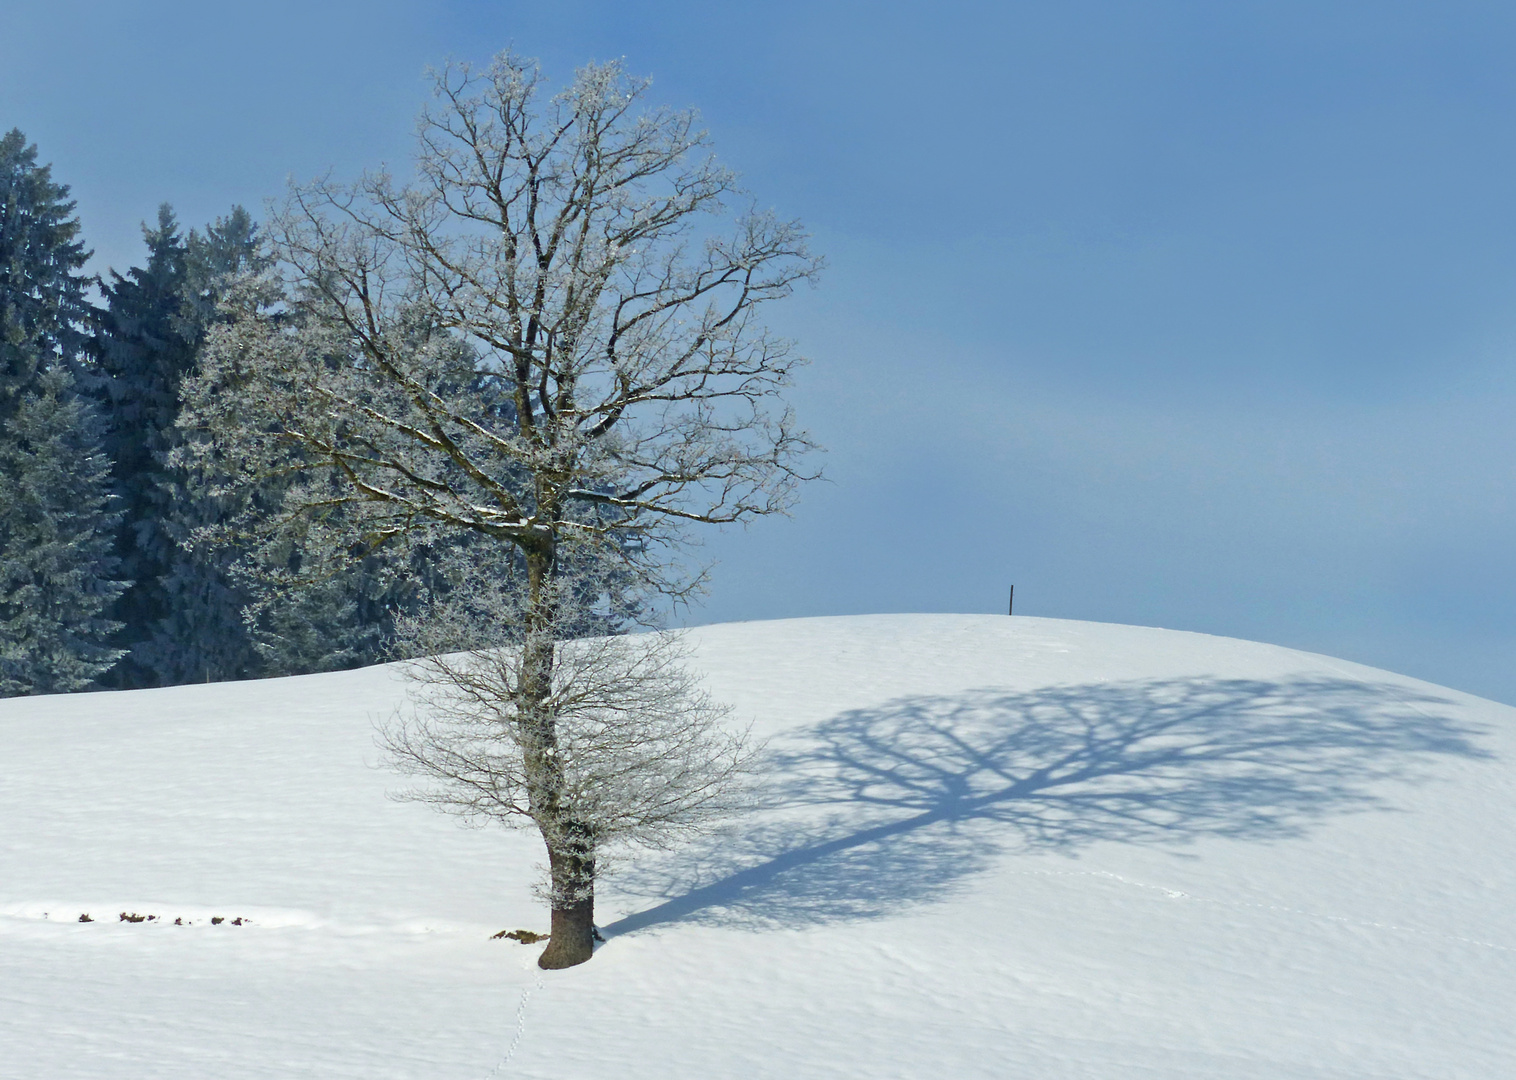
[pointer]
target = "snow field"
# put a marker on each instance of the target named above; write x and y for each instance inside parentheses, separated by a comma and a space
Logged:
(991, 847)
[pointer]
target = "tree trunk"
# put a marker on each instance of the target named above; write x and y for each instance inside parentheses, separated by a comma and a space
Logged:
(573, 932)
(570, 845)
(573, 939)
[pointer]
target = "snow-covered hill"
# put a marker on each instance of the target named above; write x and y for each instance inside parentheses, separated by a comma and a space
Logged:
(994, 847)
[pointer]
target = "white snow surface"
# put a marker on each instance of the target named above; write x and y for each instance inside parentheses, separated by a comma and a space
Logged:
(989, 847)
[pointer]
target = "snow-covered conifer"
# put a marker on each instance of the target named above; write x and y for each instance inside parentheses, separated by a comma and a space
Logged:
(56, 565)
(195, 631)
(57, 573)
(143, 349)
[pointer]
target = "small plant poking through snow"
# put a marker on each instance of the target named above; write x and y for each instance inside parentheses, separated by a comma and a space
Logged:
(526, 937)
(133, 917)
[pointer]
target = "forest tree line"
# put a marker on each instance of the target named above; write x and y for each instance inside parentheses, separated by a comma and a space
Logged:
(108, 578)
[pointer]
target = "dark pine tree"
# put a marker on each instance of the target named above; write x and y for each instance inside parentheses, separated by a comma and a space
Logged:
(182, 617)
(202, 635)
(55, 543)
(143, 349)
(57, 573)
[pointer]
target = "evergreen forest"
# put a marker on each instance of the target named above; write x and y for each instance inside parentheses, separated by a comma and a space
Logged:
(120, 560)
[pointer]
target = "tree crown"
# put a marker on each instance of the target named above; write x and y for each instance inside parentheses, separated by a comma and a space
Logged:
(549, 337)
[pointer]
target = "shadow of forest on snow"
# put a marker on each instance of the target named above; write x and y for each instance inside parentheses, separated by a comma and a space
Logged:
(879, 808)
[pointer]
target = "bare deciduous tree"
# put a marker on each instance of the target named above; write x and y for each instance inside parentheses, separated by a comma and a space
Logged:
(549, 338)
(635, 750)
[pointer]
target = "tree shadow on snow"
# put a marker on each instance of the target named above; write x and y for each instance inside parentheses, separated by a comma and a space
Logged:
(879, 808)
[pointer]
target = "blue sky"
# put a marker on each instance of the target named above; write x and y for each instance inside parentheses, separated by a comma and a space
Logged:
(1193, 315)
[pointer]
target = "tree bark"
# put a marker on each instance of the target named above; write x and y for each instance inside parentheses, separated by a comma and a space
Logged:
(573, 929)
(570, 845)
(573, 940)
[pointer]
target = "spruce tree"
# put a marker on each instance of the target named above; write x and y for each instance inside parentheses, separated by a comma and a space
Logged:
(144, 348)
(55, 543)
(183, 614)
(202, 635)
(57, 573)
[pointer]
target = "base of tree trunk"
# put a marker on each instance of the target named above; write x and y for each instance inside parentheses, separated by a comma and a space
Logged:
(573, 938)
